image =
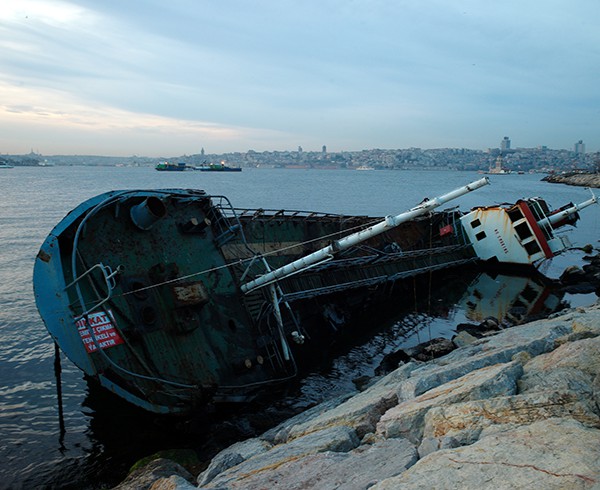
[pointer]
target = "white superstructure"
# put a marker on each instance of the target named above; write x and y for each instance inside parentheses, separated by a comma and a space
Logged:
(522, 233)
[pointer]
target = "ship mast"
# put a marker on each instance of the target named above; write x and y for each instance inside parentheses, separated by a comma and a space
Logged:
(557, 217)
(326, 253)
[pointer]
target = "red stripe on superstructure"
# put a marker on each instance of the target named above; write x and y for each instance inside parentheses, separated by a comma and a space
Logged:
(536, 229)
(540, 303)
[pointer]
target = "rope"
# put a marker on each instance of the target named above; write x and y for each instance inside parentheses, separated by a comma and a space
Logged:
(242, 262)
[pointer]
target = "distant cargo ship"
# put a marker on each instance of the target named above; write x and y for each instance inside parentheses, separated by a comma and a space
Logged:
(176, 167)
(217, 167)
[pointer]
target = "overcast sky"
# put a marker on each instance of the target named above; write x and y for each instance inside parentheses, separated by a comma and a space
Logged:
(166, 78)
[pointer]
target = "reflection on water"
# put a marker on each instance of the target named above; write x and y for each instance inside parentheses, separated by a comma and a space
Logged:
(511, 299)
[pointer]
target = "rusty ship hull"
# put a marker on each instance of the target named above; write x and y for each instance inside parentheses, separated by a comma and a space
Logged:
(141, 289)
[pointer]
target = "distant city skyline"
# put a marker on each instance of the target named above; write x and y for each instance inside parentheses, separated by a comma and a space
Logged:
(505, 144)
(153, 78)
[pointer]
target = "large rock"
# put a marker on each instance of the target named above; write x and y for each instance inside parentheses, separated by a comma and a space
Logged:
(174, 482)
(550, 454)
(537, 338)
(280, 433)
(354, 470)
(232, 456)
(155, 471)
(465, 421)
(361, 412)
(407, 418)
(336, 439)
(572, 366)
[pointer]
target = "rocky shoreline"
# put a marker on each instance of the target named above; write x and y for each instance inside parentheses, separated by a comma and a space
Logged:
(516, 408)
(579, 179)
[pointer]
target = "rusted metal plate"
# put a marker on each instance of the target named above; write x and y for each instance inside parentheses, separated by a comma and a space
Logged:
(190, 294)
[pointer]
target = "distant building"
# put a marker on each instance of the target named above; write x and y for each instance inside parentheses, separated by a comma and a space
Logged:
(580, 147)
(505, 143)
(324, 149)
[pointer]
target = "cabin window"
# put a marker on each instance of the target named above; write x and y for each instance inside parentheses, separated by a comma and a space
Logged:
(515, 214)
(475, 223)
(532, 248)
(480, 236)
(523, 231)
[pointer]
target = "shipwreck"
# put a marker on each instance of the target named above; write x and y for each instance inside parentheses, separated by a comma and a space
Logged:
(173, 298)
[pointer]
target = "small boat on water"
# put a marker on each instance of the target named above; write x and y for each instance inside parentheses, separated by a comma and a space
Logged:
(171, 167)
(5, 165)
(173, 298)
(217, 167)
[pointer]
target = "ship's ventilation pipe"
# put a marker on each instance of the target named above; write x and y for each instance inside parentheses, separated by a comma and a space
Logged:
(145, 214)
(356, 238)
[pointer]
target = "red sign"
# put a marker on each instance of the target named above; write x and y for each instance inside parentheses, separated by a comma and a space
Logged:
(446, 230)
(104, 331)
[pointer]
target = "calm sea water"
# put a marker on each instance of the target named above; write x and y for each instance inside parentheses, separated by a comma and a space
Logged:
(102, 438)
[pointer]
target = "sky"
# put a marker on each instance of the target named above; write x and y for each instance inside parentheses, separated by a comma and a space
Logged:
(168, 78)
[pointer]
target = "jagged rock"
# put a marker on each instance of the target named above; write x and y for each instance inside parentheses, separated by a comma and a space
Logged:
(233, 456)
(465, 421)
(490, 323)
(461, 339)
(587, 248)
(406, 419)
(571, 367)
(572, 275)
(596, 390)
(143, 478)
(432, 349)
(550, 454)
(487, 326)
(279, 434)
(361, 411)
(174, 482)
(431, 444)
(354, 470)
(537, 338)
(336, 439)
(361, 382)
(391, 361)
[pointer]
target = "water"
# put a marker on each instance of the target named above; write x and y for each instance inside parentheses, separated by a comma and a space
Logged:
(103, 437)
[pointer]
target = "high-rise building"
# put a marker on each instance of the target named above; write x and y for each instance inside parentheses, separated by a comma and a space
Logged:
(505, 143)
(579, 147)
(324, 149)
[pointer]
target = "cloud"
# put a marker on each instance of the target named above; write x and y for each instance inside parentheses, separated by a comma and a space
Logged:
(108, 130)
(337, 72)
